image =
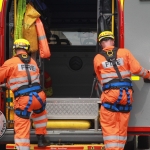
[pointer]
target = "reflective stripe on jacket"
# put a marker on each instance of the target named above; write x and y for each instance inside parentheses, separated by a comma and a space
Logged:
(126, 63)
(14, 70)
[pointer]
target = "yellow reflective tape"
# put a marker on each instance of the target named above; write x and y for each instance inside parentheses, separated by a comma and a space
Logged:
(136, 78)
(1, 2)
(113, 10)
(122, 3)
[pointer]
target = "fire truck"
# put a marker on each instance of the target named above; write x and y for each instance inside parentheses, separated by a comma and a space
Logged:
(71, 27)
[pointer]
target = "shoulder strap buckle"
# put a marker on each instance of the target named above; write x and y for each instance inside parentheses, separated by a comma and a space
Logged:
(26, 59)
(111, 56)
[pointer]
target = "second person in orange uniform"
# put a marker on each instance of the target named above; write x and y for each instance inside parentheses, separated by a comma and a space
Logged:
(22, 75)
(113, 68)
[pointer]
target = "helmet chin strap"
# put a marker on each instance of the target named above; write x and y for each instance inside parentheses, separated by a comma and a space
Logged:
(21, 51)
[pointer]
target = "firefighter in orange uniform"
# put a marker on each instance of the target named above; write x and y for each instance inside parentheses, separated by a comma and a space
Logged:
(22, 75)
(113, 67)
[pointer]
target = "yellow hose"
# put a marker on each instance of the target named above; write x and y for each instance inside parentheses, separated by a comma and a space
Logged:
(113, 15)
(68, 124)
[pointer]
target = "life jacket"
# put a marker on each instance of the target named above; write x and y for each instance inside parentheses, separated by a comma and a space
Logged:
(120, 83)
(29, 28)
(43, 44)
(30, 90)
(41, 7)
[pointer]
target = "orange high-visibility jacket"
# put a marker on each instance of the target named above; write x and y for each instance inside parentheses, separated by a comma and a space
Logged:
(114, 124)
(126, 62)
(14, 71)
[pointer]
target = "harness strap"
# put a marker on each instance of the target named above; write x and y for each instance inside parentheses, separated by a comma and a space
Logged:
(30, 102)
(116, 68)
(22, 113)
(120, 96)
(121, 86)
(28, 74)
(27, 90)
(26, 59)
(112, 58)
(32, 92)
(41, 102)
(128, 96)
(117, 108)
(117, 85)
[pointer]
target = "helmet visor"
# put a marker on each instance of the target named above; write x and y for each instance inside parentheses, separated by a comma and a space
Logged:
(20, 47)
(106, 39)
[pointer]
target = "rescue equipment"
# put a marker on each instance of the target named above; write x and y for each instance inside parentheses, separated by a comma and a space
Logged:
(116, 106)
(43, 44)
(29, 29)
(105, 34)
(21, 7)
(111, 57)
(68, 124)
(21, 44)
(42, 8)
(121, 84)
(26, 59)
(9, 108)
(30, 89)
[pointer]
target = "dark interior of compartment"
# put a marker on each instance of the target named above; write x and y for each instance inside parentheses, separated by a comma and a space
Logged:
(71, 70)
(71, 66)
(75, 14)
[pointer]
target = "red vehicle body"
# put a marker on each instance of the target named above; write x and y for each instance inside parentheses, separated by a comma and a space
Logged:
(82, 11)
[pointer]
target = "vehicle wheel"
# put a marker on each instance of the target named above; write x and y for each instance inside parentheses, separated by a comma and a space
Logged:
(130, 145)
(143, 142)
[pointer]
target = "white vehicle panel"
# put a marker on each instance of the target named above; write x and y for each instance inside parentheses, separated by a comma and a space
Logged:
(137, 40)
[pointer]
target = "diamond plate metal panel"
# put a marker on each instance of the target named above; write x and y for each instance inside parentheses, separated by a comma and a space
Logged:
(71, 107)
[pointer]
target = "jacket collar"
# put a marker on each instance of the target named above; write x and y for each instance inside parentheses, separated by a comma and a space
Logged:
(108, 48)
(20, 53)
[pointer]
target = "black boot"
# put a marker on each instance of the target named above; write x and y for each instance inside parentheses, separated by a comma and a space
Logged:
(42, 142)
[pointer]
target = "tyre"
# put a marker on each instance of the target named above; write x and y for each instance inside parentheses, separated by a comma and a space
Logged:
(143, 142)
(2, 146)
(130, 145)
